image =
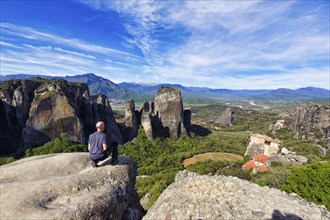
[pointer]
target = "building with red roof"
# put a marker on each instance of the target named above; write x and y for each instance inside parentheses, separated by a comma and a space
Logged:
(257, 162)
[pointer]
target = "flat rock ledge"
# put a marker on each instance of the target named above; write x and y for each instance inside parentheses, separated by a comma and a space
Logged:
(219, 197)
(66, 186)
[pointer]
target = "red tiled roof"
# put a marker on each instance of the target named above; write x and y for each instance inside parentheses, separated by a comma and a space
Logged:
(262, 168)
(249, 165)
(260, 158)
(257, 158)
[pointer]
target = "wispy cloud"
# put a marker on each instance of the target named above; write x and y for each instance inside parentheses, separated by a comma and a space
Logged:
(220, 44)
(249, 41)
(51, 54)
(32, 34)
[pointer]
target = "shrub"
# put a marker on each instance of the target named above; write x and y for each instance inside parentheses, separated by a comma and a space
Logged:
(57, 145)
(311, 182)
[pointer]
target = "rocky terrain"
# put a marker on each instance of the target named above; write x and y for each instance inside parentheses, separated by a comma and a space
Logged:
(66, 186)
(220, 197)
(15, 103)
(36, 111)
(164, 117)
(312, 123)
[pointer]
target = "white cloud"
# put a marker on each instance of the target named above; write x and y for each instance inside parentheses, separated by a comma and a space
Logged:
(30, 33)
(221, 44)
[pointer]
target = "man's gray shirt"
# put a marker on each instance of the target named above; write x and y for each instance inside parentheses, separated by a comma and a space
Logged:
(96, 141)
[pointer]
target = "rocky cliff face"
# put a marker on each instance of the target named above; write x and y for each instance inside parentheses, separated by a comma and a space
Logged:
(169, 111)
(37, 111)
(54, 109)
(226, 118)
(15, 102)
(130, 120)
(220, 197)
(312, 123)
(66, 186)
(146, 120)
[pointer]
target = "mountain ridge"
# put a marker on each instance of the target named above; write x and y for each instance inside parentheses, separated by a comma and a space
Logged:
(143, 91)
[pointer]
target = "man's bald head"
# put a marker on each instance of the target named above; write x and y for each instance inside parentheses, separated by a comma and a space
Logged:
(100, 126)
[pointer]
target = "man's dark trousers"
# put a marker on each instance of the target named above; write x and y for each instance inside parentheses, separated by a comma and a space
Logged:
(113, 150)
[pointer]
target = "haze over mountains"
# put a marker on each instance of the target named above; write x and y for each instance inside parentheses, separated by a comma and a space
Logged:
(141, 92)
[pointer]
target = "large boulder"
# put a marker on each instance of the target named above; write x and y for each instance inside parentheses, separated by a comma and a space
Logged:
(221, 197)
(169, 110)
(66, 186)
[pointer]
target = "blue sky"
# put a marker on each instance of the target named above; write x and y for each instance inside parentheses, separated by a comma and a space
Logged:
(218, 44)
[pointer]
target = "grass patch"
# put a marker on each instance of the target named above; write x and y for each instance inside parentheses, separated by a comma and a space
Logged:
(215, 156)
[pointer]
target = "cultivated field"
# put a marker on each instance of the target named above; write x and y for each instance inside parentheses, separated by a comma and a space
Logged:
(212, 156)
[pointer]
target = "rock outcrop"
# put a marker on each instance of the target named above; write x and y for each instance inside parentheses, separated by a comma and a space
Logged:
(169, 111)
(130, 120)
(66, 186)
(278, 125)
(146, 121)
(54, 110)
(97, 108)
(15, 102)
(221, 197)
(36, 111)
(226, 118)
(287, 159)
(312, 123)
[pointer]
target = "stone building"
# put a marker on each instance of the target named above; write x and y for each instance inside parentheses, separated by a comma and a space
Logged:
(262, 144)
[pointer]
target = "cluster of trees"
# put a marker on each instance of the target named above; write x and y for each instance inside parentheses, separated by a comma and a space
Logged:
(161, 159)
(61, 144)
(311, 182)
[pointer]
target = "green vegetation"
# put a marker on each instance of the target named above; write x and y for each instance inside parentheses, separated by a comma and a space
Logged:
(161, 159)
(220, 168)
(215, 156)
(301, 147)
(5, 160)
(61, 144)
(311, 182)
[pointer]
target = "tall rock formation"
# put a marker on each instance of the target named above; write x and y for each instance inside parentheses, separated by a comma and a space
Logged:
(53, 111)
(226, 118)
(97, 108)
(130, 120)
(146, 120)
(169, 110)
(312, 123)
(220, 197)
(36, 111)
(15, 101)
(66, 186)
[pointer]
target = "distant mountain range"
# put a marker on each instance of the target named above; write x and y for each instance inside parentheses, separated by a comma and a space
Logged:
(141, 92)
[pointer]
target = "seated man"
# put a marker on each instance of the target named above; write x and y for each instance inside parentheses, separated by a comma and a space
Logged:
(98, 148)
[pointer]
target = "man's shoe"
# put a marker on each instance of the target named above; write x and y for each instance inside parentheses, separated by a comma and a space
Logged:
(113, 162)
(94, 164)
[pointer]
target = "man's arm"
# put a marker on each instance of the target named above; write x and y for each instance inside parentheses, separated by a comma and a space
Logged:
(89, 147)
(105, 147)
